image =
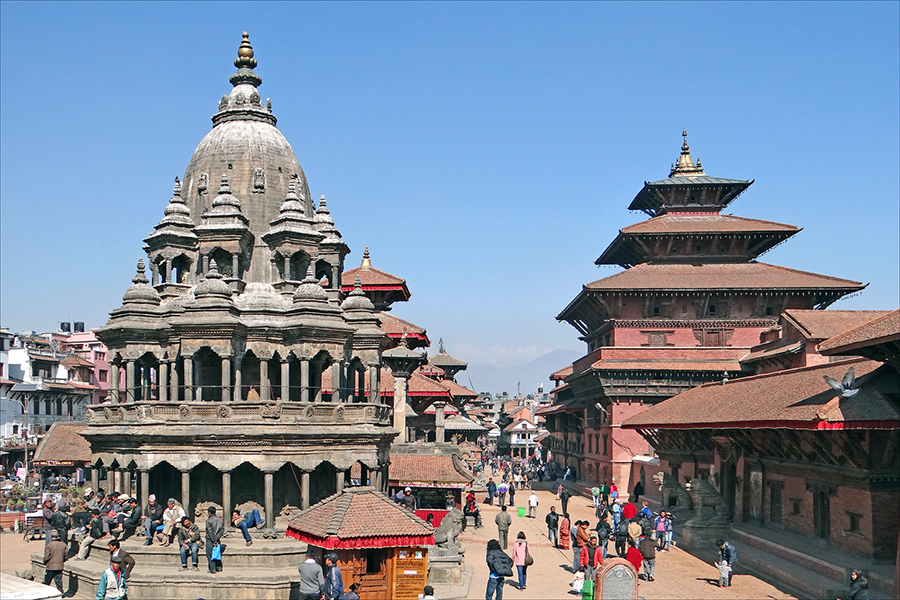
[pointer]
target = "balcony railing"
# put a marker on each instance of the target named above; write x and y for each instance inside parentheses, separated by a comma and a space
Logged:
(325, 413)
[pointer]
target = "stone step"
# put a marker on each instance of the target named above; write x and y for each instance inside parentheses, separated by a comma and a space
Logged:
(817, 565)
(794, 577)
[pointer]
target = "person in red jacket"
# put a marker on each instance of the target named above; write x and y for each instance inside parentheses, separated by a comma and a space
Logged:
(629, 511)
(591, 558)
(634, 556)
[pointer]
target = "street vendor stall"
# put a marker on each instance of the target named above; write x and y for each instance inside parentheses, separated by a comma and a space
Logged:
(435, 481)
(379, 544)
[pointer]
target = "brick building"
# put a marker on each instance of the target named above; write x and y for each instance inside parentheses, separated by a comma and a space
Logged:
(691, 302)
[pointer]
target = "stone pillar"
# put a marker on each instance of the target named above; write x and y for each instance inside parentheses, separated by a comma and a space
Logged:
(188, 378)
(226, 379)
(336, 392)
(285, 379)
(154, 273)
(129, 381)
(235, 272)
(169, 270)
(114, 383)
(400, 407)
(238, 392)
(378, 478)
(110, 480)
(263, 379)
(186, 493)
(205, 264)
(226, 497)
(373, 384)
(287, 268)
(340, 482)
(95, 478)
(439, 421)
(304, 491)
(270, 499)
(145, 488)
(173, 381)
(195, 379)
(304, 380)
(163, 383)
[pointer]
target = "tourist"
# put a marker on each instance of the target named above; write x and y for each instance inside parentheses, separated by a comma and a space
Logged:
(503, 521)
(532, 505)
(648, 552)
(629, 511)
(662, 527)
(578, 581)
(512, 495)
(246, 521)
(153, 518)
(613, 490)
(595, 496)
(552, 520)
(110, 511)
(409, 501)
(189, 543)
(724, 572)
(590, 558)
(312, 581)
(95, 532)
(471, 510)
(54, 557)
(501, 492)
(131, 521)
(621, 538)
(859, 587)
(727, 554)
(499, 567)
(564, 496)
(113, 584)
(634, 530)
(353, 594)
(645, 510)
(517, 479)
(521, 554)
(90, 498)
(215, 528)
(634, 556)
(616, 511)
(580, 536)
(171, 518)
(47, 511)
(568, 474)
(427, 594)
(603, 533)
(334, 582)
(491, 490)
(565, 532)
(115, 551)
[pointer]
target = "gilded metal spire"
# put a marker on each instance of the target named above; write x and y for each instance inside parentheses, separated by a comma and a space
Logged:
(245, 54)
(366, 261)
(685, 167)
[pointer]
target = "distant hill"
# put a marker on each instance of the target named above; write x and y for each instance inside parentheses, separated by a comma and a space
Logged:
(488, 378)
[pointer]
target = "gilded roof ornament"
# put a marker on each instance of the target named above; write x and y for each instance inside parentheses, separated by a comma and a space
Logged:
(245, 64)
(685, 167)
(366, 261)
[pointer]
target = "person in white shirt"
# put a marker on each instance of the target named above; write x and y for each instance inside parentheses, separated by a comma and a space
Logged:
(172, 517)
(532, 504)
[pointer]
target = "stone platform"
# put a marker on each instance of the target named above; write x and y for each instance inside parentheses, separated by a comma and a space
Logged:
(266, 570)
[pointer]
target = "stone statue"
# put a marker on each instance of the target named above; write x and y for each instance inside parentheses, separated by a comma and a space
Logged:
(450, 528)
(669, 488)
(259, 180)
(707, 502)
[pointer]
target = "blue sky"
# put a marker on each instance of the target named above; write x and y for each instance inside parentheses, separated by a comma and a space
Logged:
(484, 151)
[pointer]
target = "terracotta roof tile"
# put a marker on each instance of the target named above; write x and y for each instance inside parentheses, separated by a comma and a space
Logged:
(715, 276)
(425, 468)
(76, 361)
(370, 277)
(824, 324)
(879, 330)
(679, 223)
(561, 374)
(792, 398)
(395, 327)
(458, 391)
(63, 442)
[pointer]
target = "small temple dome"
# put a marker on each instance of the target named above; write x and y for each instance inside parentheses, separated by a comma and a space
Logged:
(357, 299)
(140, 291)
(310, 290)
(212, 285)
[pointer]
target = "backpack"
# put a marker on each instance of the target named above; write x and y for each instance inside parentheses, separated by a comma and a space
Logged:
(60, 521)
(622, 529)
(646, 527)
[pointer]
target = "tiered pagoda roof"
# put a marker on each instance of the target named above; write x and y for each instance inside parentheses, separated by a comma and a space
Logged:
(382, 288)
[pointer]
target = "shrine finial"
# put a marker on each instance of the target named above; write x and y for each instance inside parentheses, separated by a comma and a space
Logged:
(245, 54)
(366, 264)
(685, 167)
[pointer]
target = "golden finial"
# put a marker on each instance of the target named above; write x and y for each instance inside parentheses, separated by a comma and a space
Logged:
(245, 54)
(685, 167)
(366, 263)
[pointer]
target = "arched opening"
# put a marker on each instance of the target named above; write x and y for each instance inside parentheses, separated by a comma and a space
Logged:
(294, 378)
(299, 265)
(181, 269)
(247, 484)
(316, 366)
(146, 369)
(208, 375)
(206, 486)
(358, 476)
(322, 482)
(249, 375)
(286, 487)
(165, 482)
(223, 262)
(323, 271)
(357, 392)
(275, 377)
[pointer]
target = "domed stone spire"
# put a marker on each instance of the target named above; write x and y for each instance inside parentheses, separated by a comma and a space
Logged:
(685, 167)
(310, 290)
(140, 292)
(244, 102)
(212, 285)
(357, 299)
(177, 211)
(325, 224)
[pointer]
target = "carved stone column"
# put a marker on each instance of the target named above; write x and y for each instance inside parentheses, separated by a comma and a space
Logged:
(198, 388)
(95, 478)
(340, 482)
(304, 491)
(264, 379)
(287, 268)
(285, 379)
(226, 379)
(238, 392)
(163, 384)
(400, 384)
(188, 365)
(114, 383)
(110, 481)
(378, 478)
(173, 380)
(226, 497)
(186, 492)
(129, 380)
(439, 421)
(235, 271)
(205, 264)
(304, 380)
(145, 487)
(336, 395)
(270, 499)
(373, 384)
(169, 270)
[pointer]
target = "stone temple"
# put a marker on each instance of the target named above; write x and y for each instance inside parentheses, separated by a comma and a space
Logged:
(224, 346)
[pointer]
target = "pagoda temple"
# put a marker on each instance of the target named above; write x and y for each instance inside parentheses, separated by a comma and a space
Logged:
(688, 306)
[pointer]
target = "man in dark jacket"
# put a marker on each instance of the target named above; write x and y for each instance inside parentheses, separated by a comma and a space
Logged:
(564, 496)
(728, 555)
(94, 533)
(499, 567)
(334, 582)
(189, 543)
(54, 557)
(61, 522)
(859, 587)
(152, 517)
(491, 490)
(647, 546)
(552, 520)
(132, 519)
(215, 529)
(621, 538)
(115, 551)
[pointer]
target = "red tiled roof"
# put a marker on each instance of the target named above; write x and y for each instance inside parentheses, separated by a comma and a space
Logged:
(395, 327)
(716, 276)
(439, 469)
(513, 425)
(359, 517)
(371, 277)
(63, 443)
(561, 374)
(683, 223)
(76, 361)
(798, 398)
(824, 324)
(877, 331)
(458, 391)
(772, 349)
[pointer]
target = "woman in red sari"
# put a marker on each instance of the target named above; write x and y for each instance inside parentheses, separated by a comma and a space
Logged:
(565, 531)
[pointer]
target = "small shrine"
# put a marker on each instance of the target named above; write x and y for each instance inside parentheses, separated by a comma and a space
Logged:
(379, 544)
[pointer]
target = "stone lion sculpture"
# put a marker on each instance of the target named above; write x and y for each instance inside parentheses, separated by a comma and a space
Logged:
(669, 488)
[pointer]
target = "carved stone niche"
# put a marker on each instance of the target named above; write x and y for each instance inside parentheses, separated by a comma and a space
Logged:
(616, 579)
(658, 337)
(200, 513)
